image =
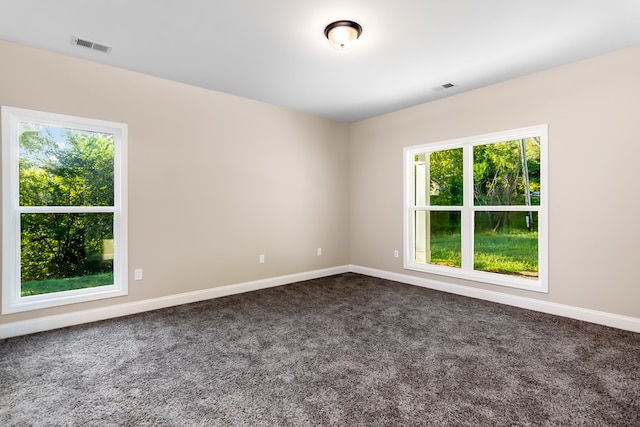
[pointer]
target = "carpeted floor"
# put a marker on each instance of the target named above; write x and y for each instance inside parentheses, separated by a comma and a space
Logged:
(345, 350)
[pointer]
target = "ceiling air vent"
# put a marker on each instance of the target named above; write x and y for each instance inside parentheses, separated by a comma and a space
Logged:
(443, 87)
(90, 45)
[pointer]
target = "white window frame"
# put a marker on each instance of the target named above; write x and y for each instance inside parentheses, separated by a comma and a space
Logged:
(468, 209)
(12, 301)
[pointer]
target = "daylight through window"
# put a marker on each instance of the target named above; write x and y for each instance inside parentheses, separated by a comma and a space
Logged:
(476, 208)
(64, 228)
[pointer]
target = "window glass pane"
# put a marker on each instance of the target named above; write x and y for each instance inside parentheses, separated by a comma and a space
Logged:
(438, 178)
(506, 243)
(437, 238)
(60, 252)
(65, 167)
(502, 177)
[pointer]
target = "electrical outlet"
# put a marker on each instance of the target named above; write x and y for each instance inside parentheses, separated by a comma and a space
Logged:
(137, 274)
(319, 251)
(396, 253)
(261, 258)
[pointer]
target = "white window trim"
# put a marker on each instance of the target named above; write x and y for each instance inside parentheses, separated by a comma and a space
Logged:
(12, 302)
(466, 271)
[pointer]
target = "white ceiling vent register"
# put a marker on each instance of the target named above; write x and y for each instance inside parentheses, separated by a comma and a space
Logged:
(90, 45)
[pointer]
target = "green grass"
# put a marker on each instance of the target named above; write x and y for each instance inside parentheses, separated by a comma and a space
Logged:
(446, 250)
(514, 253)
(39, 287)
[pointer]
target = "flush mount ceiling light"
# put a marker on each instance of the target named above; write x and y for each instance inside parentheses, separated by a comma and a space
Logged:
(342, 34)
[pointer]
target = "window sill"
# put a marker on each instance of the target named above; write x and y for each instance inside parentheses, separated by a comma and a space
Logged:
(37, 302)
(537, 285)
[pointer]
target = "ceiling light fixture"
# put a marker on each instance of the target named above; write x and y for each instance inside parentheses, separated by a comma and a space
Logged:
(342, 34)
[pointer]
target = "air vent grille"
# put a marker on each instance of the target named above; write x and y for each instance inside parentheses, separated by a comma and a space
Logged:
(443, 87)
(101, 47)
(84, 43)
(90, 45)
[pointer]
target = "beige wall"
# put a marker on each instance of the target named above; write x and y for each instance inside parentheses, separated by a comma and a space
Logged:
(593, 112)
(214, 180)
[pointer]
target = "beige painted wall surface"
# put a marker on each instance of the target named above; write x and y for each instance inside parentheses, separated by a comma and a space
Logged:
(593, 112)
(214, 180)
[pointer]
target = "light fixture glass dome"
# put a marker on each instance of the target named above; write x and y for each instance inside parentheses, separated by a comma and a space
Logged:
(342, 34)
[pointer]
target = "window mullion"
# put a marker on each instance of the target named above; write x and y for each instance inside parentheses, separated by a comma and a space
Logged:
(467, 208)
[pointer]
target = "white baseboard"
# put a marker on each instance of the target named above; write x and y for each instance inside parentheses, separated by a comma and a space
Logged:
(572, 312)
(46, 323)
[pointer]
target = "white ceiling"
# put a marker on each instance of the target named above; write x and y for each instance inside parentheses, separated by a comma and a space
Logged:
(275, 51)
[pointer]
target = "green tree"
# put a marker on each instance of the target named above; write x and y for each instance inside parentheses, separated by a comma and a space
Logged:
(446, 177)
(446, 188)
(75, 170)
(499, 178)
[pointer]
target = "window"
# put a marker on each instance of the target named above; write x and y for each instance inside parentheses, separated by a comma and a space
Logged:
(476, 208)
(64, 235)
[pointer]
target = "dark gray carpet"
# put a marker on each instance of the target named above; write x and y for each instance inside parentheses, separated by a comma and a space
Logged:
(346, 350)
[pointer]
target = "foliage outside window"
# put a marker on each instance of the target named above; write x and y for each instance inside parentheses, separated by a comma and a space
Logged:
(64, 211)
(476, 208)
